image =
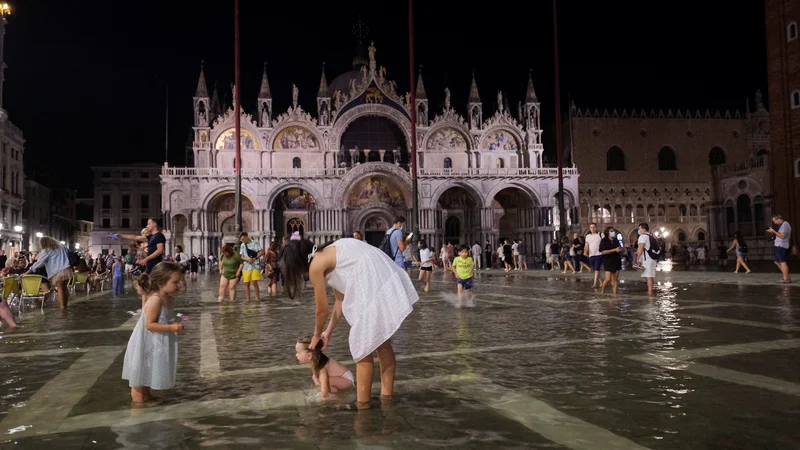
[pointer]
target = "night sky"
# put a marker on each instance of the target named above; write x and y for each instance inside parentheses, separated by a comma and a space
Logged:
(87, 83)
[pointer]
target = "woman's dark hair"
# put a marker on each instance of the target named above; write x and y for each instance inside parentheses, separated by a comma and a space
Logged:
(607, 233)
(422, 245)
(293, 262)
(318, 359)
(740, 239)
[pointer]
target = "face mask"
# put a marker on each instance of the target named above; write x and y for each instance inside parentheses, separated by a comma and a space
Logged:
(639, 231)
(612, 233)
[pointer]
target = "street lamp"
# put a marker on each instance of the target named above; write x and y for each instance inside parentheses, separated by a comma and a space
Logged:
(39, 234)
(63, 243)
(18, 228)
(662, 229)
(5, 10)
(666, 233)
(77, 246)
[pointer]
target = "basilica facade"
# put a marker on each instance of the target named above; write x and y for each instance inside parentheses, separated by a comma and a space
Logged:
(346, 168)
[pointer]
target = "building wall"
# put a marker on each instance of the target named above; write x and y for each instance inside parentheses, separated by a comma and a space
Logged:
(36, 212)
(783, 77)
(124, 198)
(687, 202)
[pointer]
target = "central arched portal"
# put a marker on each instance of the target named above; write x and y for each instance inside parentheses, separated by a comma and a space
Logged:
(291, 212)
(374, 138)
(372, 203)
(513, 210)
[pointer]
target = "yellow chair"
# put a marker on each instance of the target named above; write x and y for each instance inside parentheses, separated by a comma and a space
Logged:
(11, 293)
(31, 286)
(79, 278)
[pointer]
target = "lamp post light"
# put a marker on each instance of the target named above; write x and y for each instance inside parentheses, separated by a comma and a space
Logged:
(666, 233)
(77, 246)
(5, 10)
(39, 234)
(18, 228)
(63, 243)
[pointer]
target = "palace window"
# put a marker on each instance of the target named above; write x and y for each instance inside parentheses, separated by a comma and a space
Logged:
(795, 99)
(791, 31)
(615, 159)
(667, 159)
(501, 163)
(106, 223)
(126, 222)
(145, 175)
(448, 163)
(106, 201)
(144, 202)
(797, 168)
(296, 163)
(126, 201)
(126, 174)
(716, 156)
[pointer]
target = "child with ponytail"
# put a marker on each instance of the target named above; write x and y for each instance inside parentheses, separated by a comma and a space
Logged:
(330, 375)
(151, 360)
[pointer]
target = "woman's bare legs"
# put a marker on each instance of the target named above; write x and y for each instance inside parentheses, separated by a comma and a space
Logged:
(63, 294)
(365, 372)
(740, 260)
(232, 289)
(614, 282)
(223, 286)
(606, 282)
(7, 315)
(388, 365)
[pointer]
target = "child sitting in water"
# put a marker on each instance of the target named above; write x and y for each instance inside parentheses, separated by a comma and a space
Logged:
(330, 375)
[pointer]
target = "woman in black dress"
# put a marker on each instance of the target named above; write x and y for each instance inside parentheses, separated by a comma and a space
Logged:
(612, 259)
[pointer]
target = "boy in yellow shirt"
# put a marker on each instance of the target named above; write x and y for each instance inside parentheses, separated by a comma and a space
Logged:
(463, 268)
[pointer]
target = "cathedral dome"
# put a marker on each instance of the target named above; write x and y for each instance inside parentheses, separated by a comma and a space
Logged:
(342, 82)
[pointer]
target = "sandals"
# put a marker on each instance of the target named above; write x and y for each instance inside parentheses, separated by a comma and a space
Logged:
(786, 281)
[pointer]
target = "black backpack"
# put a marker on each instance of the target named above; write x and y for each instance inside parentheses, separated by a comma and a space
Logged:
(655, 248)
(386, 245)
(743, 248)
(73, 258)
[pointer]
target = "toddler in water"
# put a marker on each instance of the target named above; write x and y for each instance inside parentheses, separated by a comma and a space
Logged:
(151, 360)
(330, 375)
(463, 267)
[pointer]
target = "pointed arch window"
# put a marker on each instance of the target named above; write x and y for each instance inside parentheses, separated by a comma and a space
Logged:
(791, 31)
(615, 159)
(795, 99)
(667, 160)
(716, 157)
(448, 163)
(296, 164)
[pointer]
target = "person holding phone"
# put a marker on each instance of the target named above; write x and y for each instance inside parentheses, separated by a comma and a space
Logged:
(783, 236)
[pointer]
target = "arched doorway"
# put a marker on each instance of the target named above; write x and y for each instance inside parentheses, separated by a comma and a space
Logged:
(459, 216)
(180, 225)
(452, 230)
(222, 209)
(513, 209)
(374, 229)
(290, 212)
(372, 197)
(370, 135)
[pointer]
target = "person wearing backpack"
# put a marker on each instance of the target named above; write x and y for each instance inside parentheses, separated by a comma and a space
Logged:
(740, 245)
(394, 243)
(647, 255)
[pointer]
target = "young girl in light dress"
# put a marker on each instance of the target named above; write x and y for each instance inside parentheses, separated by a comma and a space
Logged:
(151, 360)
(330, 375)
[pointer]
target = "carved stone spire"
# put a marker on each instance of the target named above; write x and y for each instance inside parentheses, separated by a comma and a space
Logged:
(216, 106)
(530, 95)
(202, 89)
(474, 97)
(323, 84)
(264, 92)
(420, 94)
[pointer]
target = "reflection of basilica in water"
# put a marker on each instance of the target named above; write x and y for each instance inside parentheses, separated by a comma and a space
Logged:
(347, 167)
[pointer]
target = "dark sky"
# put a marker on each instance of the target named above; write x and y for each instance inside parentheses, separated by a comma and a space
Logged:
(87, 83)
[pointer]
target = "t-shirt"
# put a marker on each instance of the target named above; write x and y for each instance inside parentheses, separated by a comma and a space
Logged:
(395, 234)
(476, 250)
(644, 239)
(579, 248)
(152, 245)
(521, 250)
(252, 245)
(593, 241)
(786, 230)
(231, 265)
(425, 254)
(464, 267)
(514, 247)
(611, 259)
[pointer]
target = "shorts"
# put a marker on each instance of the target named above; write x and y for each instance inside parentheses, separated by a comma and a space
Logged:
(596, 262)
(521, 258)
(128, 268)
(780, 254)
(552, 259)
(466, 284)
(407, 264)
(349, 376)
(649, 266)
(64, 275)
(251, 275)
(426, 269)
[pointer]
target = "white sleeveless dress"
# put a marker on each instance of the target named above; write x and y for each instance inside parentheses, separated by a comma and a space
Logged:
(152, 358)
(378, 295)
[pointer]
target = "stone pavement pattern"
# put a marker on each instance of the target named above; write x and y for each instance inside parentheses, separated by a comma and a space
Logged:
(541, 360)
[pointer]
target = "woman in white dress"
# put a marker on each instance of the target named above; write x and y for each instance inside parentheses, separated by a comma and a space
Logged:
(372, 293)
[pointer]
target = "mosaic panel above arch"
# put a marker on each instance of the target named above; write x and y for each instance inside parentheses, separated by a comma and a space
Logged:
(295, 137)
(446, 139)
(226, 140)
(375, 190)
(500, 139)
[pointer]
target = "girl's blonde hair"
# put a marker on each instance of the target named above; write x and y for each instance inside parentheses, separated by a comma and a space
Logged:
(318, 359)
(46, 242)
(158, 277)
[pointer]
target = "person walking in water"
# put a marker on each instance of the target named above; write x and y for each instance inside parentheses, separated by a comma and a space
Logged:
(373, 293)
(740, 246)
